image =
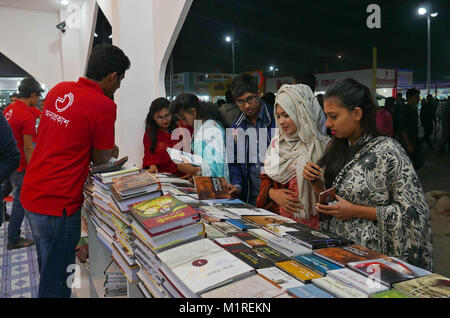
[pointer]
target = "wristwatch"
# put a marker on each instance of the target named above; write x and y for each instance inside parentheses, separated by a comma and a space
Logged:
(198, 173)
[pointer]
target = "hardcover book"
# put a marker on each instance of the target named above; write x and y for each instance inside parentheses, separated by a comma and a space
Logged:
(163, 213)
(280, 244)
(388, 271)
(245, 254)
(299, 271)
(430, 286)
(357, 280)
(273, 223)
(347, 254)
(279, 277)
(225, 228)
(239, 224)
(317, 264)
(249, 239)
(312, 238)
(390, 293)
(271, 254)
(211, 188)
(136, 183)
(309, 291)
(254, 286)
(337, 288)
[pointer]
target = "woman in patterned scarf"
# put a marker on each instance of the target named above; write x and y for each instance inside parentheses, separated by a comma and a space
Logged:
(381, 204)
(299, 140)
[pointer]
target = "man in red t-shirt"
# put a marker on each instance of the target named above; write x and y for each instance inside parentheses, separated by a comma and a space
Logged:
(76, 127)
(23, 125)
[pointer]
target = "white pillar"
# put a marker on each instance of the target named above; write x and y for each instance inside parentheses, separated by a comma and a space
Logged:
(146, 31)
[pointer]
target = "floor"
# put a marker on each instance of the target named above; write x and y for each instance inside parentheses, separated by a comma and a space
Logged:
(19, 276)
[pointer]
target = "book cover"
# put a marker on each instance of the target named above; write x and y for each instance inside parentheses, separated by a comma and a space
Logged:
(164, 210)
(212, 233)
(271, 254)
(134, 181)
(299, 271)
(390, 293)
(430, 286)
(347, 254)
(250, 239)
(254, 286)
(337, 288)
(225, 228)
(211, 188)
(357, 280)
(274, 223)
(245, 254)
(241, 225)
(314, 238)
(279, 277)
(388, 271)
(309, 291)
(317, 264)
(280, 244)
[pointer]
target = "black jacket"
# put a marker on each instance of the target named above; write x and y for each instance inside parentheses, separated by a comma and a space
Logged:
(9, 153)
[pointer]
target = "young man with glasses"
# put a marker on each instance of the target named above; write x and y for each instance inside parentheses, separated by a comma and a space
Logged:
(23, 124)
(255, 124)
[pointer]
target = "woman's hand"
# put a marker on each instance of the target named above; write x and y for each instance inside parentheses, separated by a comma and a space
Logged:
(153, 169)
(286, 199)
(233, 191)
(343, 209)
(312, 172)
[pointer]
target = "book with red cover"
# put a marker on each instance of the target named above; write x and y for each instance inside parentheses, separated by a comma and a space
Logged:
(211, 188)
(163, 213)
(347, 254)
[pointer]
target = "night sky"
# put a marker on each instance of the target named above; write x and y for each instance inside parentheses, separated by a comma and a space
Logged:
(308, 35)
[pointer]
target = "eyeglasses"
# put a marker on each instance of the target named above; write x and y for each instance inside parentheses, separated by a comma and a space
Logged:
(161, 118)
(250, 99)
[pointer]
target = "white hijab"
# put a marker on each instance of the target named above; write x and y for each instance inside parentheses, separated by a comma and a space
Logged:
(288, 155)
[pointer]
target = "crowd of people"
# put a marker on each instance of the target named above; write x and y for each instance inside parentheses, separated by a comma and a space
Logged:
(277, 152)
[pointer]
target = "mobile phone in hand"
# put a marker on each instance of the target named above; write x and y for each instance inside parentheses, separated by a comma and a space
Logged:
(327, 196)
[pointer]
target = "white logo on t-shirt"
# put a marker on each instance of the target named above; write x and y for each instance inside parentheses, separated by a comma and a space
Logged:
(8, 115)
(61, 104)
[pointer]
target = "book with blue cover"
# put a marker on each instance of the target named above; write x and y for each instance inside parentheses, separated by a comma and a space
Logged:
(309, 291)
(316, 263)
(240, 224)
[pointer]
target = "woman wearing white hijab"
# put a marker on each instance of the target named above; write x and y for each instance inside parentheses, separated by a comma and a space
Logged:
(298, 141)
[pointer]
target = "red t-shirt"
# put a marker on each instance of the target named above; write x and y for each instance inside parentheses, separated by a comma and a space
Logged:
(160, 157)
(77, 117)
(37, 113)
(22, 122)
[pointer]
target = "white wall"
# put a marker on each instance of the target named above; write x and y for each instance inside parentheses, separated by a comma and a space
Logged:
(146, 32)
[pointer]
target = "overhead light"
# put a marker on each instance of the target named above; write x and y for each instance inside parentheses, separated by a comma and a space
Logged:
(422, 11)
(434, 15)
(228, 39)
(96, 35)
(64, 2)
(271, 68)
(110, 36)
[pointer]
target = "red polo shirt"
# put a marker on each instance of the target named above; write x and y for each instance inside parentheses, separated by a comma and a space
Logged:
(37, 113)
(76, 118)
(22, 122)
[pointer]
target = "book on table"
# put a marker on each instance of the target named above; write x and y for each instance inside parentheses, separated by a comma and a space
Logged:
(141, 182)
(357, 280)
(244, 253)
(388, 271)
(270, 253)
(299, 271)
(338, 288)
(273, 223)
(211, 188)
(202, 265)
(123, 203)
(241, 225)
(163, 214)
(249, 239)
(430, 286)
(346, 254)
(316, 263)
(390, 293)
(279, 277)
(309, 291)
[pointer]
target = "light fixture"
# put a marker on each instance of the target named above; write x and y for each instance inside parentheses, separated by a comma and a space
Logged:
(110, 36)
(64, 2)
(228, 38)
(96, 35)
(271, 68)
(422, 11)
(434, 15)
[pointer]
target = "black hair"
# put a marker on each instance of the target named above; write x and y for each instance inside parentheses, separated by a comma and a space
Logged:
(14, 95)
(351, 94)
(306, 79)
(27, 87)
(412, 92)
(389, 104)
(150, 123)
(220, 102)
(242, 84)
(106, 59)
(229, 96)
(205, 110)
(399, 94)
(269, 98)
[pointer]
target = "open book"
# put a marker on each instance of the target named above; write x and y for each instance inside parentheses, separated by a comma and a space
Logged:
(178, 156)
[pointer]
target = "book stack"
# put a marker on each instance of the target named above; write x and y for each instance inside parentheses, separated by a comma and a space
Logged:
(115, 282)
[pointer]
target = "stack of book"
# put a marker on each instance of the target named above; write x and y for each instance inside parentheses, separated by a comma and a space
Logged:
(115, 282)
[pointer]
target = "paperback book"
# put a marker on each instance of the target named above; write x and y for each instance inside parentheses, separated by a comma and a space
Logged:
(430, 286)
(279, 277)
(337, 288)
(347, 254)
(309, 291)
(299, 271)
(317, 264)
(211, 188)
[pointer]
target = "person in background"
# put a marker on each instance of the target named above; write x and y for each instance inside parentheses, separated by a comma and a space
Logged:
(269, 98)
(9, 157)
(409, 129)
(380, 202)
(445, 136)
(310, 80)
(397, 114)
(384, 118)
(427, 118)
(13, 97)
(208, 141)
(220, 102)
(23, 125)
(246, 161)
(78, 129)
(159, 125)
(283, 189)
(229, 110)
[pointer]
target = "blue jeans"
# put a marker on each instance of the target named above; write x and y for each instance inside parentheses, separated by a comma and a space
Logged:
(17, 211)
(56, 239)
